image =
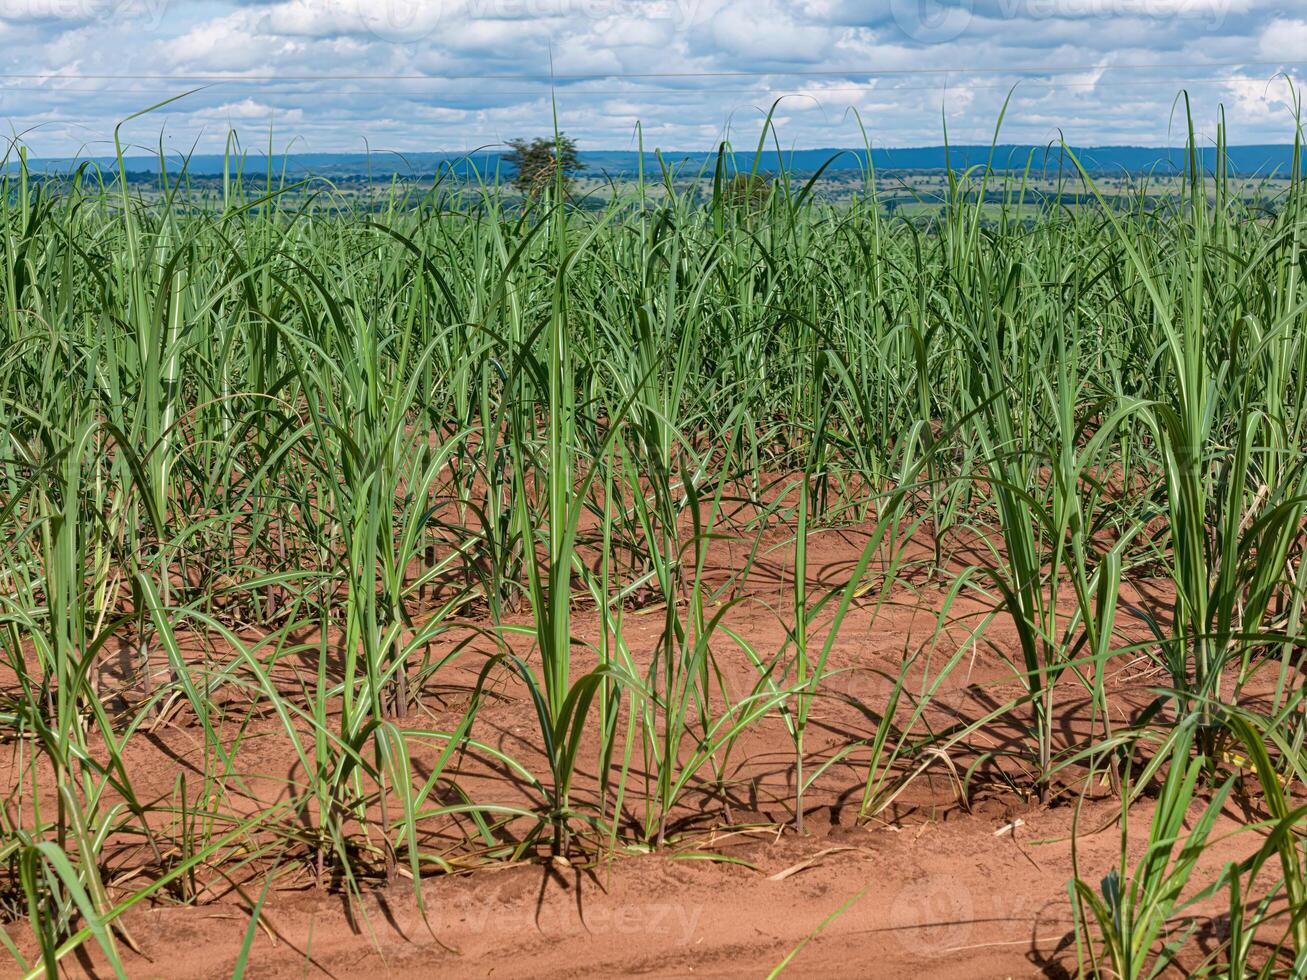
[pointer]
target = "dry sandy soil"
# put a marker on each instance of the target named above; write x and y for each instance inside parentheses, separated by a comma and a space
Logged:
(930, 887)
(941, 899)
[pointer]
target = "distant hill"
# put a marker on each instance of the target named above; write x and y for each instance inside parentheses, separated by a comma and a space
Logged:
(1246, 160)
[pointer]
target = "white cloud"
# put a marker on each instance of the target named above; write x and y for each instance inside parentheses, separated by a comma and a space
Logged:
(251, 109)
(1284, 38)
(1268, 102)
(326, 69)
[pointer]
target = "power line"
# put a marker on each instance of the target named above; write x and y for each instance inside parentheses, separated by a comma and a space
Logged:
(596, 76)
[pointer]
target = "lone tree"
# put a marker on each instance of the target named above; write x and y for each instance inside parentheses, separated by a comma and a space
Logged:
(541, 161)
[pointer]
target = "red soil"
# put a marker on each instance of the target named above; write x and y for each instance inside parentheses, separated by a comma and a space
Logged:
(928, 888)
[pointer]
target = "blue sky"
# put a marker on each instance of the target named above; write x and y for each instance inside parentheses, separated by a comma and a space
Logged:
(331, 75)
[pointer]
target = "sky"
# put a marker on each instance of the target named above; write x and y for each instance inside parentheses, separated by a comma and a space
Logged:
(349, 75)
